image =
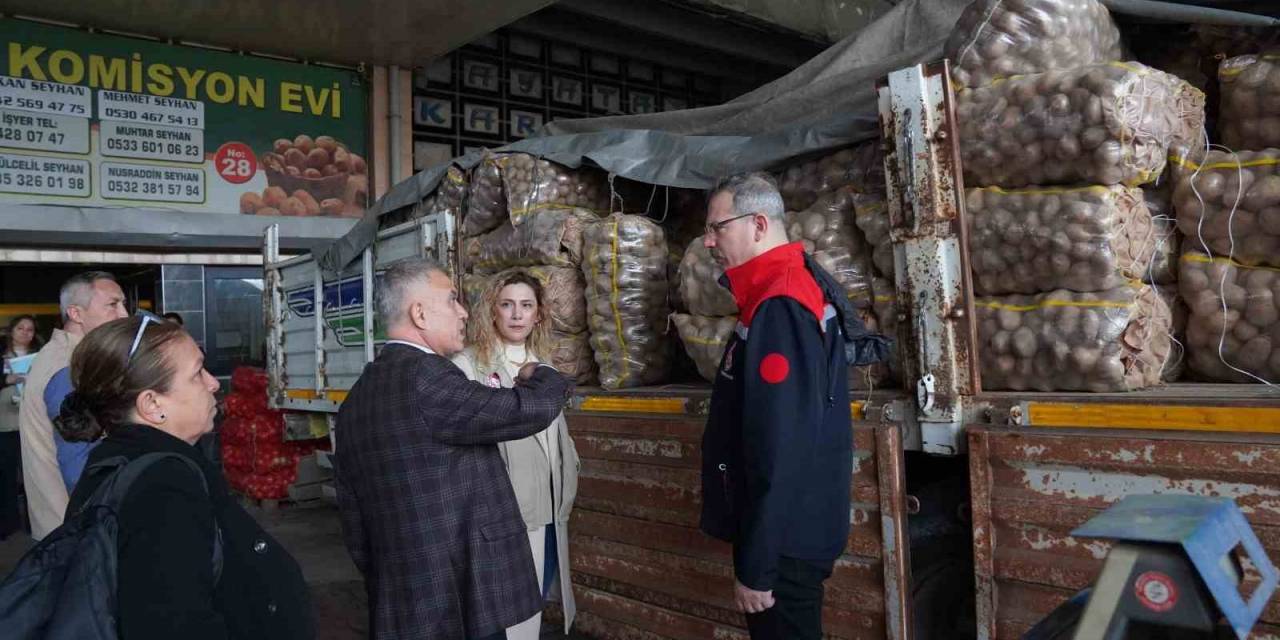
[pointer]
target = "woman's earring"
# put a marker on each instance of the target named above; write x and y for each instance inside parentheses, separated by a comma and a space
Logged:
(162, 417)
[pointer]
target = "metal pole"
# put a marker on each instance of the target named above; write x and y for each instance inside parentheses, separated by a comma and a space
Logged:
(393, 123)
(367, 274)
(318, 309)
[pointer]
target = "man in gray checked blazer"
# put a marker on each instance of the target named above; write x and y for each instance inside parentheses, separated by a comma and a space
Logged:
(427, 510)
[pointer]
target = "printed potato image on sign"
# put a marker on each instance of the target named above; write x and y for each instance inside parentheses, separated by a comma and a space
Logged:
(308, 177)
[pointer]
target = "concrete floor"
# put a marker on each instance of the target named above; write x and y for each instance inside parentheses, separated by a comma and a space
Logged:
(312, 533)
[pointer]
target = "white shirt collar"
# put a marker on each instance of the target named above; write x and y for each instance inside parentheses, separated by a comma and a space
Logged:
(415, 346)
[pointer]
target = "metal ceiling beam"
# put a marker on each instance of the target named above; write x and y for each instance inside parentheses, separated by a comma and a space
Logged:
(382, 32)
(701, 29)
(585, 31)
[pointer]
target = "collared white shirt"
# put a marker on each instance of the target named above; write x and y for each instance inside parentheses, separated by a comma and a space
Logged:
(415, 346)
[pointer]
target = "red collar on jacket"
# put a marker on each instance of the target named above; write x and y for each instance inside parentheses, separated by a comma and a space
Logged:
(779, 271)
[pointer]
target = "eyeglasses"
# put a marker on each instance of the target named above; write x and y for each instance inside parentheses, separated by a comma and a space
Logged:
(715, 228)
(146, 316)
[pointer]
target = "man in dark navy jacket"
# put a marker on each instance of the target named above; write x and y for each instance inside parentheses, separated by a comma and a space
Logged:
(777, 453)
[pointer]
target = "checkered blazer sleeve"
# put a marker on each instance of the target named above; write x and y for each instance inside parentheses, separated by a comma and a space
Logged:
(353, 533)
(465, 412)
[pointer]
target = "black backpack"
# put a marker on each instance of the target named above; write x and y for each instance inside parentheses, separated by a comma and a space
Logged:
(64, 588)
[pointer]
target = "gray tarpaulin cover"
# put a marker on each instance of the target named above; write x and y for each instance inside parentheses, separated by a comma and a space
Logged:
(825, 103)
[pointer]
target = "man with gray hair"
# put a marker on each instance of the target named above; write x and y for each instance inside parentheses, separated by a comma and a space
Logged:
(777, 451)
(87, 300)
(428, 513)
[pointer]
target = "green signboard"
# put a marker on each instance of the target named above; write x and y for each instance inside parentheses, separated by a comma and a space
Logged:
(103, 120)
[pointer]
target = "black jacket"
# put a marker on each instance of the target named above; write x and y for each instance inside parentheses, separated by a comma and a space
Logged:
(777, 452)
(166, 586)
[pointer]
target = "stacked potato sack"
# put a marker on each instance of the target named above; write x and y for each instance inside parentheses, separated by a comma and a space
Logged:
(486, 200)
(1037, 240)
(1228, 206)
(255, 457)
(713, 313)
(1117, 340)
(1109, 123)
(1048, 110)
(1249, 117)
(625, 266)
(995, 39)
(532, 184)
(860, 167)
(527, 212)
(1233, 333)
(565, 308)
(829, 233)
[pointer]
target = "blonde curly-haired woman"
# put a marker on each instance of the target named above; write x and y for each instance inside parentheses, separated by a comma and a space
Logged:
(509, 328)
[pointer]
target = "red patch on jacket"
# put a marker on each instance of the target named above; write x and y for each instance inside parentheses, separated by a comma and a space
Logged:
(774, 368)
(777, 272)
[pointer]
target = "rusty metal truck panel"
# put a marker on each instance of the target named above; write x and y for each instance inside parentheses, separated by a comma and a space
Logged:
(642, 569)
(1031, 487)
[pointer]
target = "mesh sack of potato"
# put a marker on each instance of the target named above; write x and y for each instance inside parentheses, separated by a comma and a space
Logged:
(996, 39)
(625, 266)
(1103, 124)
(704, 338)
(1231, 203)
(1245, 337)
(1037, 240)
(871, 213)
(571, 354)
(1249, 114)
(1115, 340)
(486, 201)
(562, 294)
(534, 184)
(828, 232)
(550, 238)
(860, 167)
(700, 286)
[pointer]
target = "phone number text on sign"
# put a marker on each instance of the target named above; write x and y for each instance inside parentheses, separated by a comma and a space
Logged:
(46, 176)
(44, 97)
(127, 140)
(151, 182)
(43, 132)
(148, 109)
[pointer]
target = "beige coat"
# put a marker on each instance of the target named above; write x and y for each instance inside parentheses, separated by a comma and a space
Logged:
(46, 493)
(529, 465)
